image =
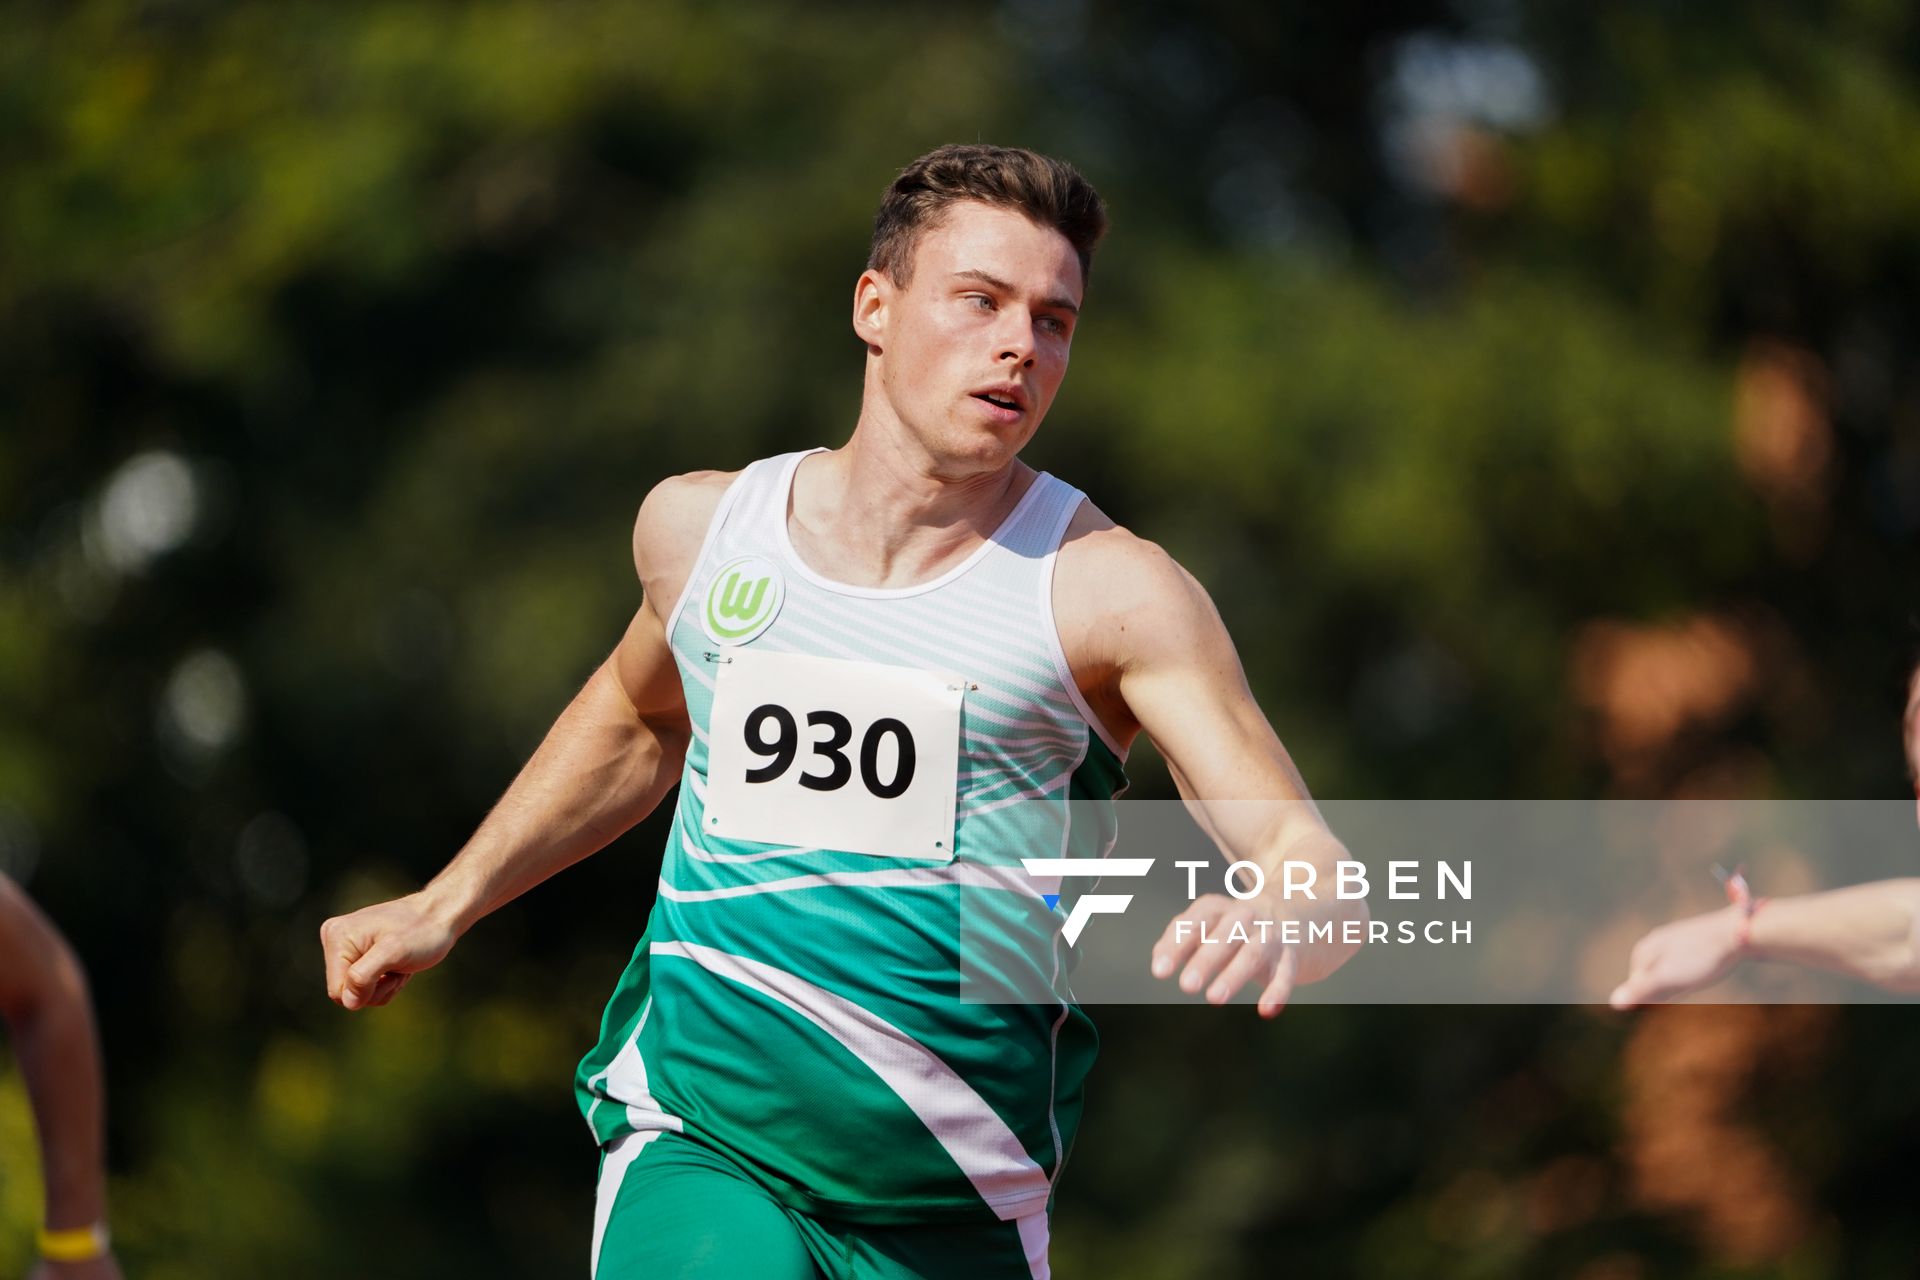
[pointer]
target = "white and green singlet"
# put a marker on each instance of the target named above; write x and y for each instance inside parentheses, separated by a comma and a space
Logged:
(865, 763)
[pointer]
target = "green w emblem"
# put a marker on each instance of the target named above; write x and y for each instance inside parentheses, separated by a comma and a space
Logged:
(734, 600)
(742, 599)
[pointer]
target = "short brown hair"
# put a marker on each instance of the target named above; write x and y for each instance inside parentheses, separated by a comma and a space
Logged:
(1049, 191)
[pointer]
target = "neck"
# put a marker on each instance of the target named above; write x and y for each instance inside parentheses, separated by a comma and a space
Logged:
(881, 512)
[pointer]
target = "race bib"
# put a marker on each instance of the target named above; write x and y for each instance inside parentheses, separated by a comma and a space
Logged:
(833, 754)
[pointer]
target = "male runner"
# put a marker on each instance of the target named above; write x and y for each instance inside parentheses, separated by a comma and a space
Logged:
(877, 673)
(43, 1000)
(1867, 931)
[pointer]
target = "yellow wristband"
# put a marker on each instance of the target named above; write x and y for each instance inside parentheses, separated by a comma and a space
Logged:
(81, 1244)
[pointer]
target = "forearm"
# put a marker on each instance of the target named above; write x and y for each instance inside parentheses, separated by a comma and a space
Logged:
(1299, 836)
(1866, 931)
(600, 769)
(1273, 833)
(59, 1055)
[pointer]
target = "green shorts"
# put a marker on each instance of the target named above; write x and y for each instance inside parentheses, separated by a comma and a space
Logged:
(670, 1208)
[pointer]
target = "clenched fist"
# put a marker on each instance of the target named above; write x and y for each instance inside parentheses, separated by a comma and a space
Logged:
(372, 952)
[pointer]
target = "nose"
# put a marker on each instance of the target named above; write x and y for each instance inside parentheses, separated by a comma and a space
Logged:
(1016, 338)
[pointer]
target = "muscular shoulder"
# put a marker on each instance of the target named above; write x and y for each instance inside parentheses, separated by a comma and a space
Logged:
(1121, 602)
(671, 526)
(1118, 591)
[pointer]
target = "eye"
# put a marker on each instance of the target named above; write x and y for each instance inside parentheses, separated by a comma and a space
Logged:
(985, 303)
(1053, 325)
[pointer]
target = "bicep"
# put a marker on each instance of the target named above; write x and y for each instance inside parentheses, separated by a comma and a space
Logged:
(643, 664)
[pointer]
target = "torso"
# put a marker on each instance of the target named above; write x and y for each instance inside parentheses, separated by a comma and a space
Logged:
(835, 935)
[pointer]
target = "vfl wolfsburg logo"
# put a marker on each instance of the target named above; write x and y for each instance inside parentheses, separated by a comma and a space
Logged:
(742, 599)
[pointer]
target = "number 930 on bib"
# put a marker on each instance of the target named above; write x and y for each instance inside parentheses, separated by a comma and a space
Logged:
(822, 752)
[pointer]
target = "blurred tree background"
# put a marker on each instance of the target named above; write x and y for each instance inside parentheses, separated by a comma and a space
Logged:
(1550, 369)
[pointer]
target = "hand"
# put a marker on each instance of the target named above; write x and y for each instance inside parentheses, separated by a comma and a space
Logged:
(1681, 957)
(93, 1269)
(1230, 965)
(373, 952)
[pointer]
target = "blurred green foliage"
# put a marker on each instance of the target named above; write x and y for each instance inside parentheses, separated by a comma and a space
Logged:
(338, 344)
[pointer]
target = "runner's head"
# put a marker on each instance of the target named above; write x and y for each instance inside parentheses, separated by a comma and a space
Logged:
(973, 284)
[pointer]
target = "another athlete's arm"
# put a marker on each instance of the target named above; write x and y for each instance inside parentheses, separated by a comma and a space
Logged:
(1160, 661)
(1867, 931)
(612, 755)
(43, 998)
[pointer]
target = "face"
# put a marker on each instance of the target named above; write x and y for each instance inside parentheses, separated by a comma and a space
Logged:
(969, 355)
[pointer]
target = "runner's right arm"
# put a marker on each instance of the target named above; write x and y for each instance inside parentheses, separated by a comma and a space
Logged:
(612, 755)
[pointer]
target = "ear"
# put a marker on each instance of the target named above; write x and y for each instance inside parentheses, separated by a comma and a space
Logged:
(873, 296)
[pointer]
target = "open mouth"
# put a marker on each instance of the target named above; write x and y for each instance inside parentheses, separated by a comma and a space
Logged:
(999, 402)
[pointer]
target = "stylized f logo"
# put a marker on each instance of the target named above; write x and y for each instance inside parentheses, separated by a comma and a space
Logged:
(1088, 904)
